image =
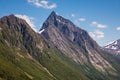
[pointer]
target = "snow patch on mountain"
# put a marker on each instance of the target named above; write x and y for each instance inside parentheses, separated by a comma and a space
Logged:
(115, 42)
(41, 31)
(114, 47)
(58, 20)
(107, 46)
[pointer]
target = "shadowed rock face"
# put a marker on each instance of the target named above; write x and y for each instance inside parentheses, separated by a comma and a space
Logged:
(73, 41)
(16, 32)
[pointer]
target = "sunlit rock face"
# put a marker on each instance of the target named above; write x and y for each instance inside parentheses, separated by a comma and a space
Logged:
(73, 41)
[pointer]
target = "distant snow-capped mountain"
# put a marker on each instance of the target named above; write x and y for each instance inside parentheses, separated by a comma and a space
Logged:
(113, 47)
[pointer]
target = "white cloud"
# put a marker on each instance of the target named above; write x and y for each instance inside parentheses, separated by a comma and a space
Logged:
(73, 15)
(43, 3)
(118, 28)
(82, 19)
(94, 23)
(97, 34)
(28, 19)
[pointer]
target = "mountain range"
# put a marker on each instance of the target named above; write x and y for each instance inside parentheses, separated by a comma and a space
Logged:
(59, 51)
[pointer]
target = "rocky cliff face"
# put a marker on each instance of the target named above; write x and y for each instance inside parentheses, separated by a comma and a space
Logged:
(73, 41)
(16, 32)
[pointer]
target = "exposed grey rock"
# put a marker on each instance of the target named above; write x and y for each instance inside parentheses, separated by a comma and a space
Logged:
(73, 41)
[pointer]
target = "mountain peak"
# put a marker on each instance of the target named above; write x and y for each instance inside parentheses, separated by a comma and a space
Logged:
(50, 20)
(11, 19)
(55, 20)
(11, 15)
(53, 13)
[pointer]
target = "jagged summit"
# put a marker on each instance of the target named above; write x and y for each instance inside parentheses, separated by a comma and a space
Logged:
(56, 20)
(52, 16)
(67, 28)
(50, 20)
(53, 13)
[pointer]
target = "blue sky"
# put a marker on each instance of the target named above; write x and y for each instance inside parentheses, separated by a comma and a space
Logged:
(101, 18)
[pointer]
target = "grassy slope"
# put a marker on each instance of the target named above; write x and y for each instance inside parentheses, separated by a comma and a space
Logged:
(14, 62)
(115, 62)
(8, 70)
(24, 67)
(15, 67)
(59, 67)
(85, 70)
